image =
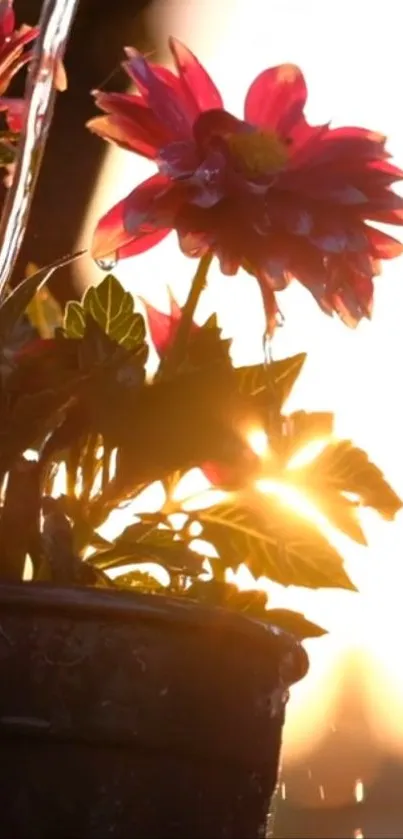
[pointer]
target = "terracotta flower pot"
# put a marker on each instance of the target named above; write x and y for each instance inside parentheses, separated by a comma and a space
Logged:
(125, 715)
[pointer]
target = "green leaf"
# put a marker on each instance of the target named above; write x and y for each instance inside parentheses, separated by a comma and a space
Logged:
(15, 304)
(274, 542)
(206, 346)
(74, 320)
(190, 419)
(294, 623)
(343, 468)
(302, 428)
(340, 512)
(113, 310)
(143, 542)
(253, 604)
(227, 595)
(140, 581)
(44, 313)
(273, 381)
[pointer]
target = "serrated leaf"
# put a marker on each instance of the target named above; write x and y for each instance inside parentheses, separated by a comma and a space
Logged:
(295, 623)
(227, 595)
(140, 581)
(112, 308)
(13, 307)
(343, 468)
(187, 418)
(340, 512)
(274, 542)
(143, 542)
(206, 346)
(303, 428)
(274, 381)
(74, 320)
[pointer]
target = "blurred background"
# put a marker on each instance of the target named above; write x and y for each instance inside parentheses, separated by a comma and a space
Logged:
(343, 758)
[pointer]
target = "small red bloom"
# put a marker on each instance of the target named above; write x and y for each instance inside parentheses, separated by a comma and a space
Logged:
(270, 192)
(13, 57)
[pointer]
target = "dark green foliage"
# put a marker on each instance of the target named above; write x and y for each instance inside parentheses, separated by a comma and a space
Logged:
(82, 399)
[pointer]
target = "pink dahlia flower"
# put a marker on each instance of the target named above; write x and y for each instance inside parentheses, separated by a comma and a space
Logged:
(270, 193)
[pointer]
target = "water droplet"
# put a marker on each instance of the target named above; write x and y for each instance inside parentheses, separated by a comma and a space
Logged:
(322, 793)
(283, 792)
(108, 263)
(359, 790)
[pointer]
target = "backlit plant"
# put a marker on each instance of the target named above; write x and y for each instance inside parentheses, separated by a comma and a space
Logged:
(271, 194)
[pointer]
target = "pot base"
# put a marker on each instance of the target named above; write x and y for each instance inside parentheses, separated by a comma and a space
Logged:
(123, 715)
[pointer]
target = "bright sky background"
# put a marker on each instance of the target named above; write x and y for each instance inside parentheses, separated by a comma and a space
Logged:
(351, 54)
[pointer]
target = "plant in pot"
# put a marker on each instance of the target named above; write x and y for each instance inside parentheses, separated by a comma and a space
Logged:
(142, 692)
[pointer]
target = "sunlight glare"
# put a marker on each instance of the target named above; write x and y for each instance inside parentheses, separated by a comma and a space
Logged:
(349, 372)
(258, 442)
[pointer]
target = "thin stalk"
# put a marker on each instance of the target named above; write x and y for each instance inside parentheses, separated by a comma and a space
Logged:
(177, 352)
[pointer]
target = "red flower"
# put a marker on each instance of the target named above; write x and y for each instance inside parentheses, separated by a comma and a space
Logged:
(12, 59)
(270, 193)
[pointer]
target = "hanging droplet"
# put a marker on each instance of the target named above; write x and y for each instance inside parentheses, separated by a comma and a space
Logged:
(108, 263)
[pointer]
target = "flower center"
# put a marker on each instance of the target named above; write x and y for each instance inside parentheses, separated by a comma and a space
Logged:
(258, 152)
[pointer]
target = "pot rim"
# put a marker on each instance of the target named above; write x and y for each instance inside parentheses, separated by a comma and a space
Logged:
(87, 603)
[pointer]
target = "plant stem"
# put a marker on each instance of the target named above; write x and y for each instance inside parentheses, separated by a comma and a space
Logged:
(177, 352)
(54, 25)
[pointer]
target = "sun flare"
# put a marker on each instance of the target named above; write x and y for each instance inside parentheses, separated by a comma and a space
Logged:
(349, 373)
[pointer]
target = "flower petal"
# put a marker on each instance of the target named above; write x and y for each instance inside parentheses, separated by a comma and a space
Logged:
(352, 299)
(341, 146)
(158, 95)
(118, 130)
(162, 326)
(129, 123)
(383, 246)
(178, 159)
(131, 226)
(7, 19)
(276, 98)
(179, 89)
(15, 110)
(12, 57)
(195, 77)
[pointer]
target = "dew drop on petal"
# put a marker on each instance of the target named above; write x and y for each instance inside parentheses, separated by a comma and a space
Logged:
(108, 263)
